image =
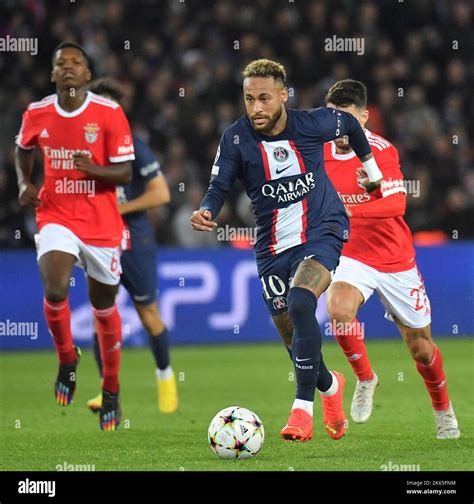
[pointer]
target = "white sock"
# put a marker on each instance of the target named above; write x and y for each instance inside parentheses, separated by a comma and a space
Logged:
(333, 388)
(304, 405)
(164, 374)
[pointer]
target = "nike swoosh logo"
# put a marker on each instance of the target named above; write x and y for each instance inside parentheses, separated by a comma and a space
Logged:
(141, 298)
(302, 360)
(278, 171)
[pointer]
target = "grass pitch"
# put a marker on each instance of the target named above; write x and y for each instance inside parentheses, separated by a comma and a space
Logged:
(37, 434)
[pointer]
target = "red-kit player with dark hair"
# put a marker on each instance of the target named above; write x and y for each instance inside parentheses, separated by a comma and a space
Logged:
(379, 257)
(87, 150)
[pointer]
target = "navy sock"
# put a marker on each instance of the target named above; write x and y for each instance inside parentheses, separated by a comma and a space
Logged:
(324, 376)
(160, 346)
(97, 356)
(307, 341)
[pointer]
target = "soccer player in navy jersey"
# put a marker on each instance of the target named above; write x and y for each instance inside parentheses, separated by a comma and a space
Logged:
(277, 153)
(147, 189)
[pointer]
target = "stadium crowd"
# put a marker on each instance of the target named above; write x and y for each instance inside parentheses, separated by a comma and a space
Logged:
(180, 63)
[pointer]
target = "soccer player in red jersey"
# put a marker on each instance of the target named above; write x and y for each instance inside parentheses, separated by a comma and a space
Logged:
(87, 150)
(379, 257)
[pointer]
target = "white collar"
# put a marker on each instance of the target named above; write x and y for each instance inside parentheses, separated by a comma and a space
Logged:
(74, 113)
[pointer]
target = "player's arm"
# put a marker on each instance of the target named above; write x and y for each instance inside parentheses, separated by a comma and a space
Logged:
(115, 173)
(333, 124)
(119, 152)
(223, 174)
(383, 208)
(26, 141)
(28, 192)
(392, 202)
(156, 193)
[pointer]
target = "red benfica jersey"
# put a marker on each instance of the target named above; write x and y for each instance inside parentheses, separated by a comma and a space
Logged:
(99, 128)
(384, 244)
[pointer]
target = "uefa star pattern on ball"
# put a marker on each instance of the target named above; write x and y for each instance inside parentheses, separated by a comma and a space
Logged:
(236, 433)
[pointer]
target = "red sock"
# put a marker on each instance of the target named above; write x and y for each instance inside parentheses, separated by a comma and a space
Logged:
(351, 339)
(435, 381)
(109, 331)
(58, 318)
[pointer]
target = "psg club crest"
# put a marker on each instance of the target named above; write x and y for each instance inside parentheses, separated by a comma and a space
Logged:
(279, 303)
(280, 154)
(91, 133)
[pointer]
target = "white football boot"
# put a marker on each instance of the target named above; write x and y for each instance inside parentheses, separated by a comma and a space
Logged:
(362, 401)
(446, 424)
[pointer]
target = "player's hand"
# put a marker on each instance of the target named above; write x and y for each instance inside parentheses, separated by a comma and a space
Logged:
(28, 195)
(201, 221)
(363, 181)
(83, 163)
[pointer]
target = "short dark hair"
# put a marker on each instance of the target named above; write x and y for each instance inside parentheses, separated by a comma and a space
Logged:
(65, 45)
(347, 92)
(107, 86)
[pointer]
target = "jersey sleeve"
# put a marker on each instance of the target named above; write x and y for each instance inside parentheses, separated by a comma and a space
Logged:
(224, 171)
(331, 123)
(146, 166)
(389, 164)
(27, 137)
(118, 138)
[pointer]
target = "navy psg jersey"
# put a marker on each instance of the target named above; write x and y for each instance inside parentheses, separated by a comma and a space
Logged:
(144, 168)
(293, 200)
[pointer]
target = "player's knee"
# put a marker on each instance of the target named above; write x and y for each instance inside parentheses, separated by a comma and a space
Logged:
(301, 302)
(422, 350)
(340, 311)
(55, 292)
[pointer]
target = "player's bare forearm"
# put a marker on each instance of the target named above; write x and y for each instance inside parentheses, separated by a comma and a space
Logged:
(24, 161)
(116, 173)
(28, 192)
(157, 193)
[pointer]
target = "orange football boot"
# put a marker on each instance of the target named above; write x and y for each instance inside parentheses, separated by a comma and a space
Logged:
(299, 426)
(334, 417)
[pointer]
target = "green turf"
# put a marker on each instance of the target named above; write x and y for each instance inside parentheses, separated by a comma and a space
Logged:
(400, 431)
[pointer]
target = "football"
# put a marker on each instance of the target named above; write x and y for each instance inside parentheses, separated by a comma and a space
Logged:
(236, 433)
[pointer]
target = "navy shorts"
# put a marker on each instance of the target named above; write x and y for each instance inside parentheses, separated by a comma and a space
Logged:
(276, 272)
(139, 274)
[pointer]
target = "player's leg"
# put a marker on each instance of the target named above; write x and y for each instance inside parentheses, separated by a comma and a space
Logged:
(429, 363)
(160, 347)
(285, 328)
(109, 330)
(139, 278)
(310, 280)
(407, 304)
(103, 270)
(57, 253)
(343, 302)
(95, 403)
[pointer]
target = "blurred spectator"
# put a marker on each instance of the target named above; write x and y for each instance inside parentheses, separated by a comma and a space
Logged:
(181, 62)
